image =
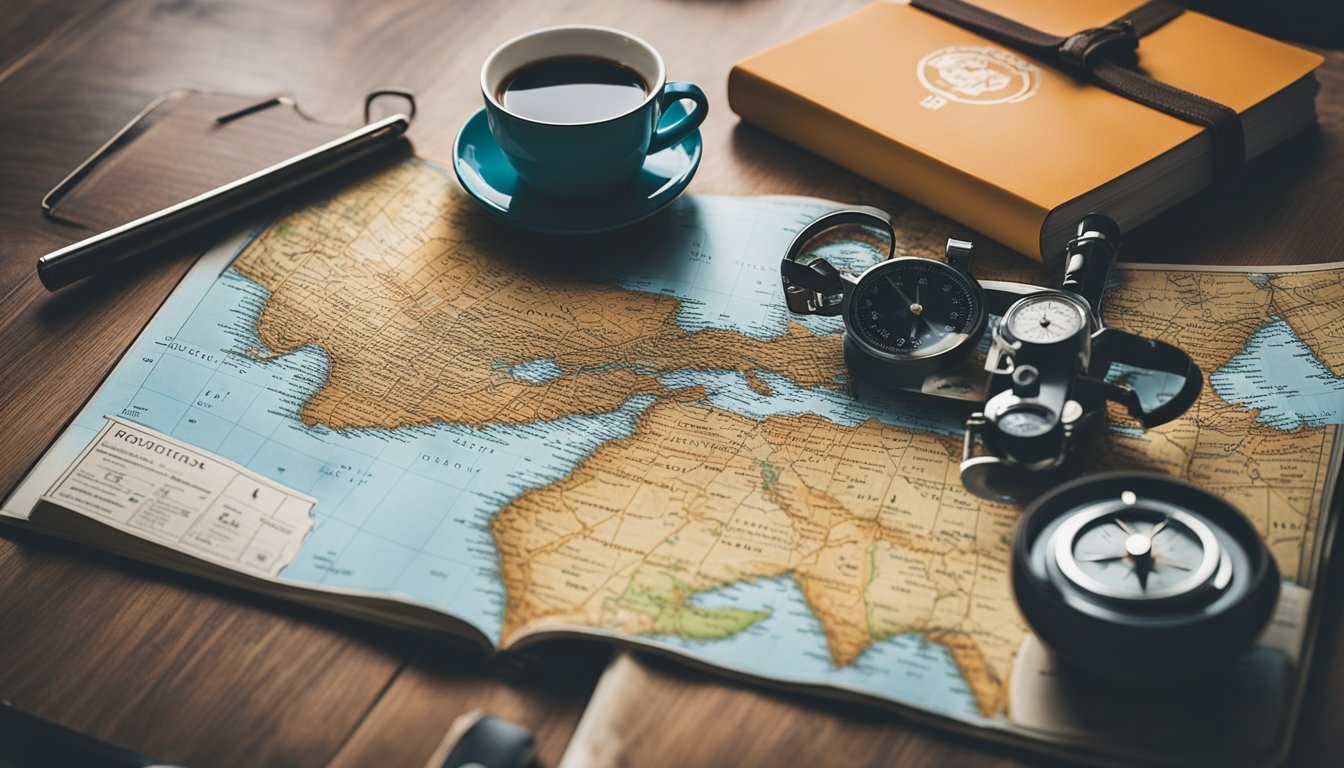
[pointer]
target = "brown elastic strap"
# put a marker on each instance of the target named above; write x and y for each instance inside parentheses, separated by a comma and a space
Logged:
(1107, 55)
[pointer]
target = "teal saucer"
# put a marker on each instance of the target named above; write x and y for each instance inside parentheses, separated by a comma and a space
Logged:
(487, 176)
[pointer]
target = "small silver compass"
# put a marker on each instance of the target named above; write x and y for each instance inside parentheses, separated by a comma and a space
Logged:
(1142, 578)
(1046, 319)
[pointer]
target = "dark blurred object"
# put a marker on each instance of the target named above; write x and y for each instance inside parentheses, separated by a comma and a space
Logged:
(481, 740)
(1313, 22)
(28, 741)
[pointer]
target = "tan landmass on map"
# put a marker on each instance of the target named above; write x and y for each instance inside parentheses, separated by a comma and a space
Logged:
(871, 521)
(423, 323)
(1275, 476)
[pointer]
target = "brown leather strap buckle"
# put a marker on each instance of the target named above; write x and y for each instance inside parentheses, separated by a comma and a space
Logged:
(1116, 41)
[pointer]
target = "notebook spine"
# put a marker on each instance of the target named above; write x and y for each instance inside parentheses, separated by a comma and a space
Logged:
(1009, 219)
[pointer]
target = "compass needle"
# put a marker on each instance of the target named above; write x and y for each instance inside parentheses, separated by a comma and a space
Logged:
(1156, 529)
(1101, 559)
(899, 292)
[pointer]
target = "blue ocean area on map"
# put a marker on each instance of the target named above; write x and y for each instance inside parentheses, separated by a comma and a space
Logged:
(536, 371)
(404, 511)
(906, 666)
(726, 270)
(1277, 374)
(729, 390)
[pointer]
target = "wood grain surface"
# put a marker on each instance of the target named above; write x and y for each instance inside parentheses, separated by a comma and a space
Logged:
(205, 676)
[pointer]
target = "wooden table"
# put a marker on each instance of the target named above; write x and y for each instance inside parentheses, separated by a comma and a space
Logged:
(205, 676)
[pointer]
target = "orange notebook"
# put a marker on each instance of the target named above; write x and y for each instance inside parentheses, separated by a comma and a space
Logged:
(1007, 144)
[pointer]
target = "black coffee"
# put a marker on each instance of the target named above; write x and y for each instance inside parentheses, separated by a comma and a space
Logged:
(572, 89)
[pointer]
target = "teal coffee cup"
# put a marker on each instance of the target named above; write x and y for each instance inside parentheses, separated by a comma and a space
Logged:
(547, 98)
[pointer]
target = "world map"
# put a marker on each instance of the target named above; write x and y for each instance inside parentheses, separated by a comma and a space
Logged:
(636, 439)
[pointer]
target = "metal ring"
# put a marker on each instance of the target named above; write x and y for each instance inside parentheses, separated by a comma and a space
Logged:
(375, 95)
(857, 215)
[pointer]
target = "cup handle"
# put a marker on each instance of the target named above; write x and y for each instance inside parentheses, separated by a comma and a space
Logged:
(666, 136)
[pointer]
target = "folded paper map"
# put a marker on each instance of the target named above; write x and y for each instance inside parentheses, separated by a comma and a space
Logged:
(507, 444)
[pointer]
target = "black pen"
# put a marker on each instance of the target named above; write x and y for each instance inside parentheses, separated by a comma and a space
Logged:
(108, 249)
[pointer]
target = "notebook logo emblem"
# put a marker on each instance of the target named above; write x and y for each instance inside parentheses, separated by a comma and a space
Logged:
(971, 74)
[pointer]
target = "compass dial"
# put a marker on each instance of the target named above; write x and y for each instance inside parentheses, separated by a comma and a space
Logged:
(1139, 553)
(1046, 319)
(1025, 422)
(914, 307)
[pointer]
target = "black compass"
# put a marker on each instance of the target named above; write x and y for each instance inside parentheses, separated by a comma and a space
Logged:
(905, 317)
(1142, 578)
